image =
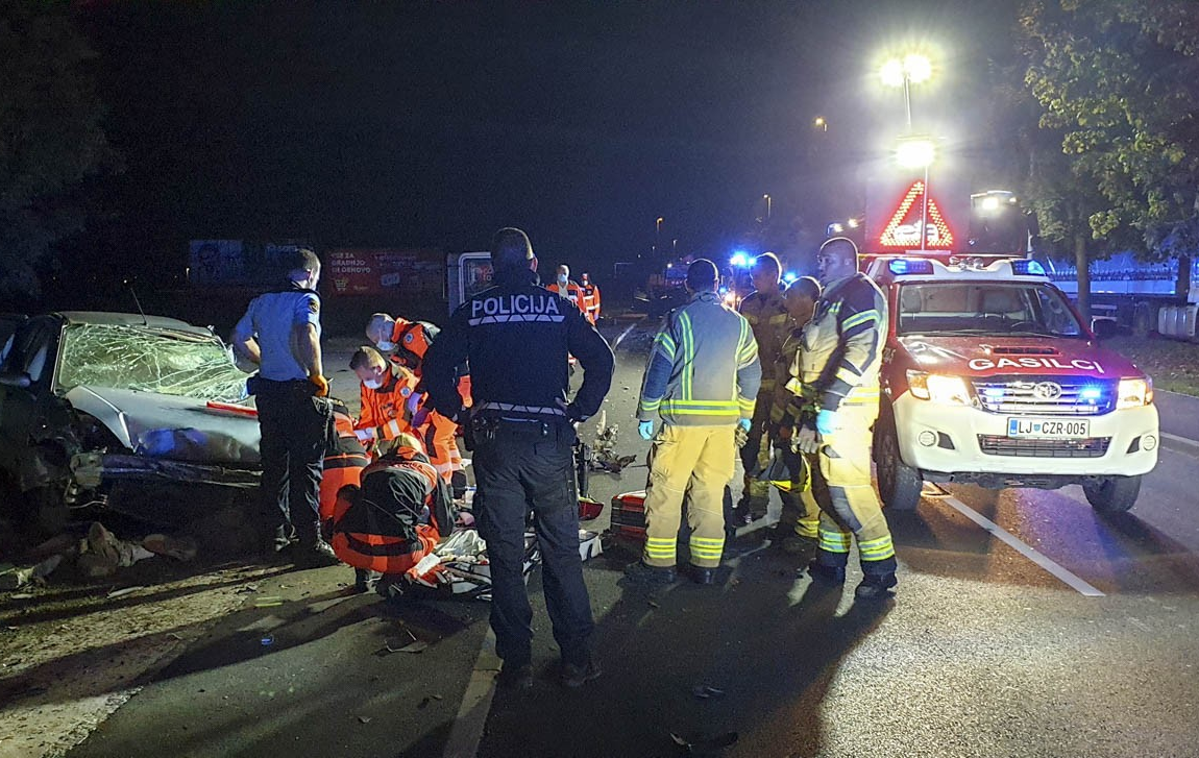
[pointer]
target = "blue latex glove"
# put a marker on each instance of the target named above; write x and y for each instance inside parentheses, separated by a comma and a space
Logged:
(646, 430)
(826, 422)
(745, 424)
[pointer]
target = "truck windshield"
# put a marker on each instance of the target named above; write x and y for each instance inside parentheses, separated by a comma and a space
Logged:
(985, 308)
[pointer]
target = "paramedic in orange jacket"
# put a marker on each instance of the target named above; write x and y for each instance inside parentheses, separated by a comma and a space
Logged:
(391, 405)
(345, 457)
(397, 516)
(569, 290)
(405, 343)
(591, 297)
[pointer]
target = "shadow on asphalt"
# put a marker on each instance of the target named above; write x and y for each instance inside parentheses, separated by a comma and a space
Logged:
(769, 642)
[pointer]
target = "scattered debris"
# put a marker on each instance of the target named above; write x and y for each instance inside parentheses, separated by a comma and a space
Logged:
(364, 719)
(653, 604)
(426, 700)
(705, 691)
(247, 589)
(605, 457)
(712, 743)
(13, 578)
(22, 596)
(124, 591)
(268, 601)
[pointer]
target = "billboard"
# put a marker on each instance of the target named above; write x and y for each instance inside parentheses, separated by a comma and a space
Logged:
(410, 273)
(235, 263)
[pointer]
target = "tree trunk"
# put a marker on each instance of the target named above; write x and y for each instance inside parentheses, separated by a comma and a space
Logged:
(1082, 264)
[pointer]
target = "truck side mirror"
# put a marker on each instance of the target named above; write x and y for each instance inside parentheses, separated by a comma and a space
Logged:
(1104, 329)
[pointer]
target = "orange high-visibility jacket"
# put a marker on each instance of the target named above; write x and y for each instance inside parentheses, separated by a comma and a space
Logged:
(345, 457)
(574, 293)
(388, 412)
(396, 517)
(591, 300)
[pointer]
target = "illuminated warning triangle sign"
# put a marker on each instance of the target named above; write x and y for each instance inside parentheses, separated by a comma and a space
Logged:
(903, 230)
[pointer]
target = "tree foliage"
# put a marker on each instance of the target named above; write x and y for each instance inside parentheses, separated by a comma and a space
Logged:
(50, 135)
(1116, 81)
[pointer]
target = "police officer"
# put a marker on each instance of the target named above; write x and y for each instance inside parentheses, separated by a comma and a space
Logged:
(517, 337)
(281, 332)
(837, 369)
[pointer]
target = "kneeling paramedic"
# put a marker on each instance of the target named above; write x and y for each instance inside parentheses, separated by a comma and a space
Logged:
(396, 516)
(838, 366)
(517, 337)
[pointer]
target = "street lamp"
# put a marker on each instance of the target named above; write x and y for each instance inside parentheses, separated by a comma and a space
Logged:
(820, 123)
(767, 199)
(904, 72)
(658, 233)
(918, 152)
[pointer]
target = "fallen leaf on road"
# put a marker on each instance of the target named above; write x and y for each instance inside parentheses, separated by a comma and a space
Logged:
(652, 604)
(270, 601)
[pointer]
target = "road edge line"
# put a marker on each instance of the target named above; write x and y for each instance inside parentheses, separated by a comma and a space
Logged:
(1063, 574)
(467, 730)
(1184, 441)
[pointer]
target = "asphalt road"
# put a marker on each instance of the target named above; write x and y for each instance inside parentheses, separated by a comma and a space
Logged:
(984, 652)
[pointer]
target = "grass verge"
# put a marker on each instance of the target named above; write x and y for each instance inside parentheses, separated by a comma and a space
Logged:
(1173, 365)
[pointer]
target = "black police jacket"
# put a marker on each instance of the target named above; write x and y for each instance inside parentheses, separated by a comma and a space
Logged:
(517, 337)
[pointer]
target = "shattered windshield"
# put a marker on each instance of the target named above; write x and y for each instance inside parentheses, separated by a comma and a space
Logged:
(149, 359)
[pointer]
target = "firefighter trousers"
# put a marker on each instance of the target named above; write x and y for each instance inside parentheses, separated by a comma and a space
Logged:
(692, 462)
(755, 454)
(801, 511)
(850, 509)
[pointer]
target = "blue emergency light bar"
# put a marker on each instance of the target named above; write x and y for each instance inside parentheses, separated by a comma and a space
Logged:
(790, 278)
(739, 259)
(1028, 268)
(901, 267)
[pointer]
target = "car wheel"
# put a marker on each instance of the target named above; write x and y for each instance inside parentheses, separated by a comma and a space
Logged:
(898, 483)
(1113, 494)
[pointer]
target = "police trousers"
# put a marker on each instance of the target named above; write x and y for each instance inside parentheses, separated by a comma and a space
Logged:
(848, 503)
(295, 427)
(522, 465)
(692, 462)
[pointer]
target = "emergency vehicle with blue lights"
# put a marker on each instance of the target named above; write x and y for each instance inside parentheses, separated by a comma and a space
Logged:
(989, 375)
(991, 378)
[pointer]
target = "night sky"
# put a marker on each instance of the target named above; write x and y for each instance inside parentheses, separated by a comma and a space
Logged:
(432, 124)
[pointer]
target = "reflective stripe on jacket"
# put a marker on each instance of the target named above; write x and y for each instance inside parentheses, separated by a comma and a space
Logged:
(703, 368)
(767, 315)
(842, 345)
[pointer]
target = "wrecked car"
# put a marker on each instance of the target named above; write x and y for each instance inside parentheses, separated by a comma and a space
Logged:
(123, 411)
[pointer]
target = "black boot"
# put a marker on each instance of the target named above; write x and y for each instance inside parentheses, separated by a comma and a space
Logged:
(876, 587)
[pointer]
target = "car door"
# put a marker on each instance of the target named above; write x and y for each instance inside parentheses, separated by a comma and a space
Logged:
(28, 413)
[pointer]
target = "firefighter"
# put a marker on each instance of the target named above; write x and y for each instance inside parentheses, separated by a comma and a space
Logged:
(569, 289)
(837, 368)
(767, 315)
(281, 333)
(591, 297)
(702, 378)
(517, 337)
(798, 528)
(398, 514)
(392, 405)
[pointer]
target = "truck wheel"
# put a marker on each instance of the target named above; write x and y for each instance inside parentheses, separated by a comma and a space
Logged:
(1114, 494)
(898, 483)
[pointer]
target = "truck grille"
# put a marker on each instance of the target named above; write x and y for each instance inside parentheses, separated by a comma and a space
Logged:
(993, 444)
(1046, 395)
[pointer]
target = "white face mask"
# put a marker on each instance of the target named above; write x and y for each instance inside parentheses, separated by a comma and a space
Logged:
(562, 280)
(385, 345)
(372, 384)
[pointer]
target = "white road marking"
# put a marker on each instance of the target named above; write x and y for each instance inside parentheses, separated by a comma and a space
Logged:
(623, 334)
(1181, 440)
(1065, 575)
(467, 731)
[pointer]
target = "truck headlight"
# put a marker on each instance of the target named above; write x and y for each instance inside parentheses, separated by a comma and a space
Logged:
(938, 388)
(1133, 393)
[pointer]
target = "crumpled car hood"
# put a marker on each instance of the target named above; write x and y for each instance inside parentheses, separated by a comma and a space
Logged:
(170, 427)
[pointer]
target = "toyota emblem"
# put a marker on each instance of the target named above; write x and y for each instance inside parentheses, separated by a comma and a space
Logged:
(1047, 391)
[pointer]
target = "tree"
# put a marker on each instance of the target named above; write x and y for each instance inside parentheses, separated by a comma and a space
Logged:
(1116, 80)
(50, 135)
